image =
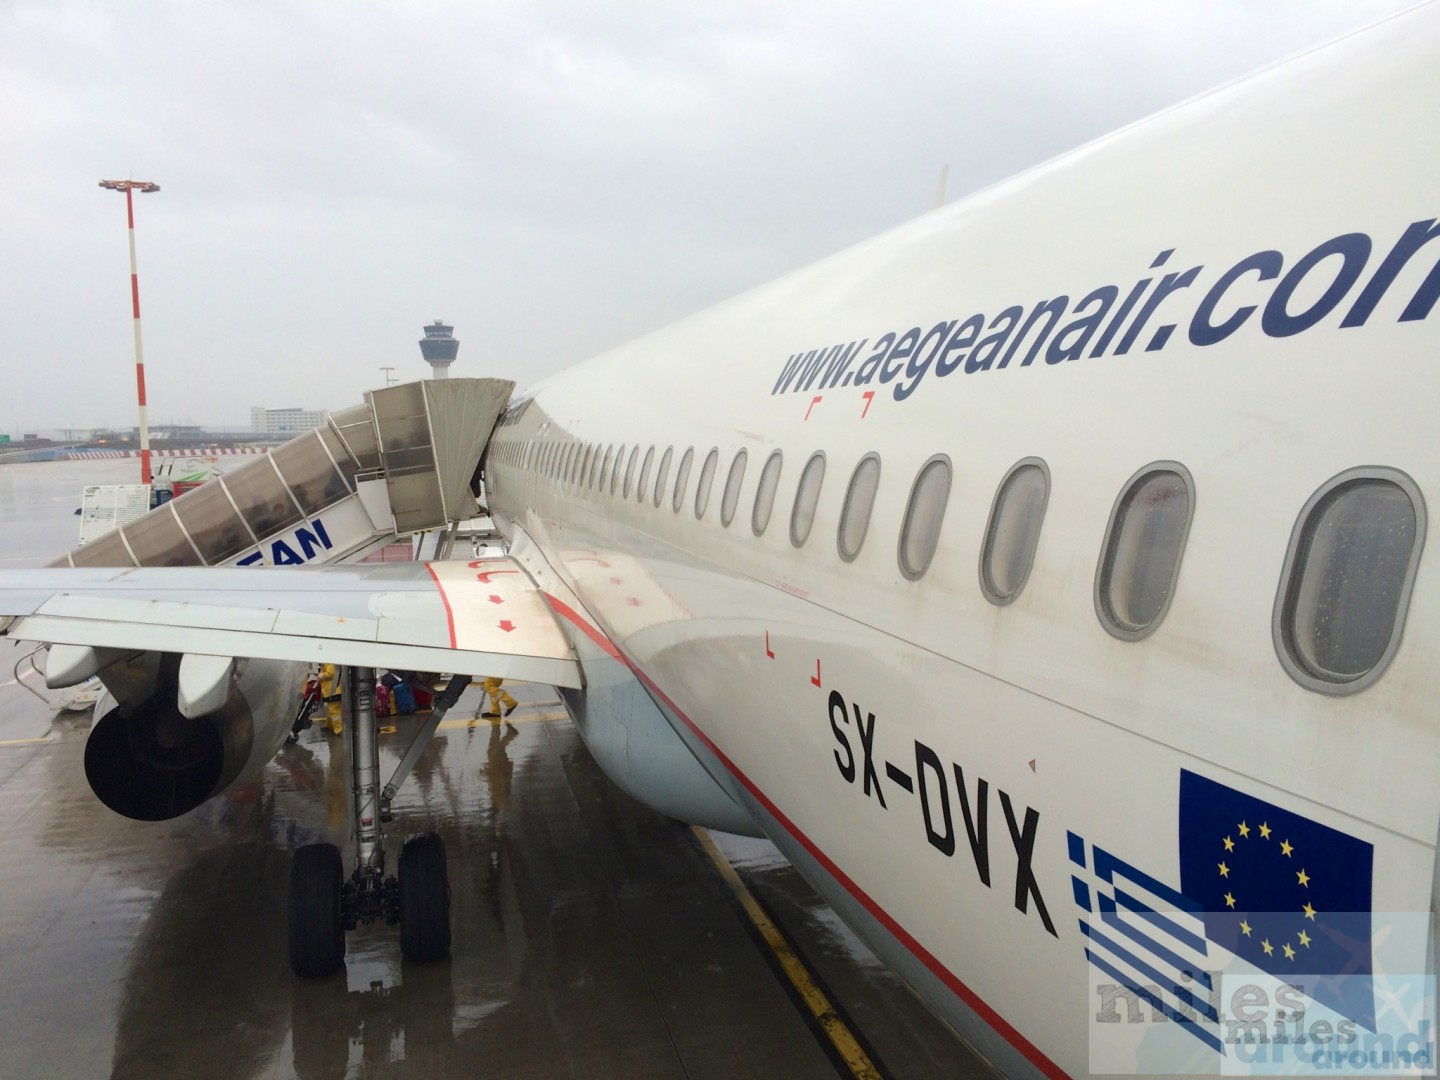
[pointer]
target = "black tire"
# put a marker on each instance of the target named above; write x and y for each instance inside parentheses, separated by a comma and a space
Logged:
(317, 935)
(424, 900)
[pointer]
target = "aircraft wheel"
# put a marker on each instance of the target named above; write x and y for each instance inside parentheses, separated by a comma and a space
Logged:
(317, 935)
(424, 899)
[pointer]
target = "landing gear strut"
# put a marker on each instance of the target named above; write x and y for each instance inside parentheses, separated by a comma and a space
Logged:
(323, 905)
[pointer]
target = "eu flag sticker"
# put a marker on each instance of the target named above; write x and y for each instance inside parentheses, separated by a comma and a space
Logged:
(1284, 892)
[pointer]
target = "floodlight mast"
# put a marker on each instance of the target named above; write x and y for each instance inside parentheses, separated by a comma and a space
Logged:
(144, 187)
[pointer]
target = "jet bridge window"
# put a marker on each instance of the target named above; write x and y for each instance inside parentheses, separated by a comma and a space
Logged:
(212, 523)
(924, 514)
(731, 498)
(765, 493)
(807, 497)
(1014, 530)
(262, 497)
(306, 466)
(662, 474)
(707, 477)
(643, 483)
(1347, 580)
(1140, 558)
(682, 479)
(859, 501)
(630, 469)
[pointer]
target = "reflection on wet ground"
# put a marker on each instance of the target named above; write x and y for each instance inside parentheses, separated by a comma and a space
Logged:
(592, 937)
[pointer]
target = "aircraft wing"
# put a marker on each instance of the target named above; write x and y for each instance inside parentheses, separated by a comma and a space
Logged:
(481, 617)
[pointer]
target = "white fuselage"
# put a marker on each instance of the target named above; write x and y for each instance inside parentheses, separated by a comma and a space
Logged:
(1058, 726)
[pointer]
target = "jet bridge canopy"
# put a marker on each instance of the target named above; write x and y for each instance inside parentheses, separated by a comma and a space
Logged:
(398, 464)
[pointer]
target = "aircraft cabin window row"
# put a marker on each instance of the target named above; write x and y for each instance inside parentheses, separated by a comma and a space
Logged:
(1339, 609)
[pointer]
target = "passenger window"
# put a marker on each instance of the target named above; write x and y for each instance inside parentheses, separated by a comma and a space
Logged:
(924, 514)
(644, 482)
(605, 468)
(630, 469)
(682, 479)
(662, 474)
(859, 501)
(1014, 530)
(807, 496)
(1140, 560)
(615, 476)
(1347, 580)
(585, 464)
(765, 493)
(731, 498)
(707, 477)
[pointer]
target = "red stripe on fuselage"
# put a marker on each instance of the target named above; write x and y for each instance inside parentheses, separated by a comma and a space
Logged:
(1032, 1052)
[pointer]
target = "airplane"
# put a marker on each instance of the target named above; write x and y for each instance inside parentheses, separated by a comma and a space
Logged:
(1049, 578)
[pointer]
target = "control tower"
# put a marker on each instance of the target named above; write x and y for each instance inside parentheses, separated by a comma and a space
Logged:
(439, 347)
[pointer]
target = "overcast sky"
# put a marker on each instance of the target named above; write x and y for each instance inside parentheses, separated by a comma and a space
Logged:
(553, 177)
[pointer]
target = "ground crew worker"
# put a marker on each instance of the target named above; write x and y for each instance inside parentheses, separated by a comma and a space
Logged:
(330, 691)
(498, 698)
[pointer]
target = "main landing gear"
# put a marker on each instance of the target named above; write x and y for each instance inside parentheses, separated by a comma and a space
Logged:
(323, 904)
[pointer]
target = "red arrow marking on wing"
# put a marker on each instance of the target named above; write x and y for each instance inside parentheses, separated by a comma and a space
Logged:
(869, 396)
(485, 576)
(506, 625)
(815, 679)
(768, 651)
(496, 599)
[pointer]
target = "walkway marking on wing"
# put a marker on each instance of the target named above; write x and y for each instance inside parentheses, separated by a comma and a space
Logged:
(846, 1045)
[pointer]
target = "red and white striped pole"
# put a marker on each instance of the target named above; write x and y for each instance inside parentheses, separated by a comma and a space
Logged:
(143, 186)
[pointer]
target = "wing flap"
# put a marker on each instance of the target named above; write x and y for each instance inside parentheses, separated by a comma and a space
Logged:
(482, 617)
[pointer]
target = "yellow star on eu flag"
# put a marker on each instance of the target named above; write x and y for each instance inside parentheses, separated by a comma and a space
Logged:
(1224, 870)
(1245, 927)
(1267, 946)
(1244, 829)
(1286, 848)
(1229, 844)
(1303, 878)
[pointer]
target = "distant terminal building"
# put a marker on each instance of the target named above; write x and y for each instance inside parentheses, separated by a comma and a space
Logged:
(285, 421)
(439, 347)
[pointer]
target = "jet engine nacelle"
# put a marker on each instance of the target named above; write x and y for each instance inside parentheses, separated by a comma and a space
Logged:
(148, 760)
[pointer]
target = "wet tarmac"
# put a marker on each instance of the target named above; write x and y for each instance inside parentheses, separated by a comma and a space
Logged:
(592, 937)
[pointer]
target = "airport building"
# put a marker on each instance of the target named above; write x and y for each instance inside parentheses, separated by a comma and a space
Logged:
(285, 421)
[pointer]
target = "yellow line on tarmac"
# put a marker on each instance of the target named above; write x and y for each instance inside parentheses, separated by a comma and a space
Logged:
(28, 742)
(841, 1037)
(513, 718)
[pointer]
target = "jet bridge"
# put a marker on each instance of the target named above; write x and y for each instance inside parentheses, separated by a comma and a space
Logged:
(399, 464)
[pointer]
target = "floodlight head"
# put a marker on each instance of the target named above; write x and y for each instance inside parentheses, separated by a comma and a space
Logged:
(142, 186)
